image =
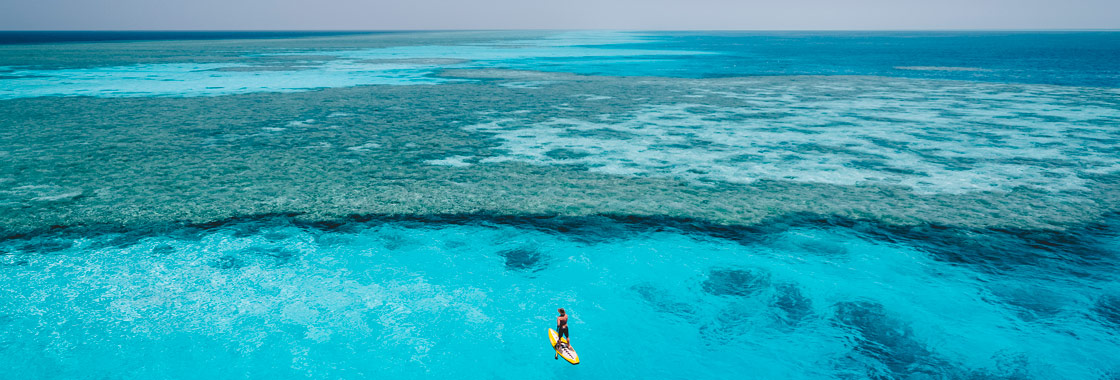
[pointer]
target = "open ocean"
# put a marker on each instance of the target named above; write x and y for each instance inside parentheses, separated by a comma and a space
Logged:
(706, 205)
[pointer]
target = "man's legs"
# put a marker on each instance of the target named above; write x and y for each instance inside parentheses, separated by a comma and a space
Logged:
(560, 335)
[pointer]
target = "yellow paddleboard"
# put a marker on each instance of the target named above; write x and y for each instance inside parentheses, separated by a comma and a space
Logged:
(563, 349)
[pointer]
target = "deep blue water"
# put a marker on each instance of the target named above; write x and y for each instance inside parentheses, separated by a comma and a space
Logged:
(794, 205)
(1060, 58)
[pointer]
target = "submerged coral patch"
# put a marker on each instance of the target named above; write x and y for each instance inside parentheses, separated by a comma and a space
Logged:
(792, 302)
(524, 259)
(736, 282)
(1108, 307)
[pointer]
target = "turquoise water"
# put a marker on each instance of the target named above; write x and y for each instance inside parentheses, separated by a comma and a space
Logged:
(414, 298)
(705, 205)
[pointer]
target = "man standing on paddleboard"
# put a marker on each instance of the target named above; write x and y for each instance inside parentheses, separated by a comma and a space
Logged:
(561, 330)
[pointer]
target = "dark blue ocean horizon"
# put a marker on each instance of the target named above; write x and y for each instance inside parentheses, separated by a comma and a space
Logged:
(1074, 58)
(1071, 58)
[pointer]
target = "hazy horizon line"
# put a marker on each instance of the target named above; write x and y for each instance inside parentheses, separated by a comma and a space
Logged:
(577, 29)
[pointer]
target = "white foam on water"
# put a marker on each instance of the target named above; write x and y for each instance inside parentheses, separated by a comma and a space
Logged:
(301, 123)
(592, 97)
(364, 147)
(455, 161)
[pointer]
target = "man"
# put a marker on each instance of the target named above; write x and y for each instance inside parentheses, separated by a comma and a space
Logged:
(561, 330)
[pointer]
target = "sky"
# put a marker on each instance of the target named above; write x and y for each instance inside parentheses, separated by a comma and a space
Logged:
(557, 14)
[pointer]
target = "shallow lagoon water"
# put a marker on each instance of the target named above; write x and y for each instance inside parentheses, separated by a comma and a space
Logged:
(397, 65)
(706, 206)
(270, 297)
